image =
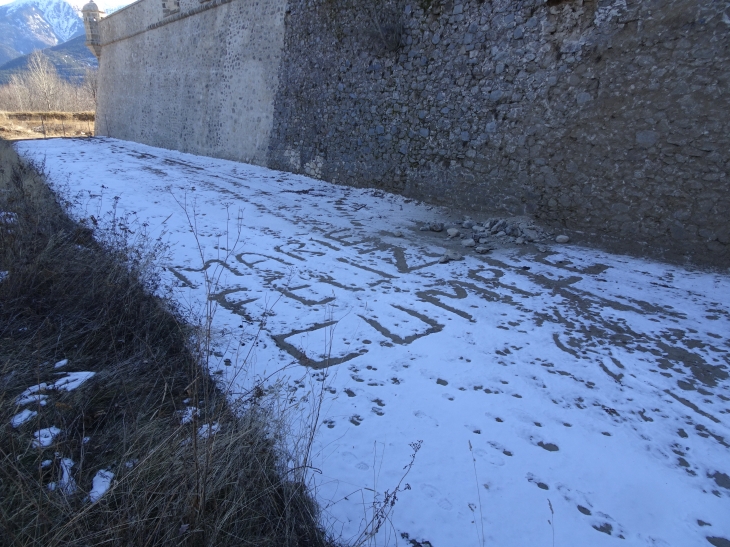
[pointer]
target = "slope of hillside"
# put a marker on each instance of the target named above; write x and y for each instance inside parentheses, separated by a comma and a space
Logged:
(71, 59)
(6, 52)
(26, 25)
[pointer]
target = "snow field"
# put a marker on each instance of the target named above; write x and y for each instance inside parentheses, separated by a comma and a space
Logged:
(589, 383)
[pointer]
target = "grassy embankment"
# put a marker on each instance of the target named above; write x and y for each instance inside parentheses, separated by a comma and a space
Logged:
(37, 125)
(67, 296)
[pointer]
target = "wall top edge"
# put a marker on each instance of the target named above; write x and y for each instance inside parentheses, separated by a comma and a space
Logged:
(120, 10)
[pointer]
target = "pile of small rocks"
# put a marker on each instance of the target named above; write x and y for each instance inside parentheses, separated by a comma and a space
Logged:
(483, 237)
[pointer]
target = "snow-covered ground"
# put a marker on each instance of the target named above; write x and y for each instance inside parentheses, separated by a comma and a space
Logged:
(564, 397)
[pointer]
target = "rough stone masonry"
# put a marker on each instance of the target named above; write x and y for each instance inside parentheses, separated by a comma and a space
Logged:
(608, 119)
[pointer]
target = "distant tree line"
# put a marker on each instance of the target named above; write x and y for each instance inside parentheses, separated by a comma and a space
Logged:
(39, 88)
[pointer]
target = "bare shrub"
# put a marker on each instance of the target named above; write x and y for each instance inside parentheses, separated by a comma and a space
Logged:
(40, 88)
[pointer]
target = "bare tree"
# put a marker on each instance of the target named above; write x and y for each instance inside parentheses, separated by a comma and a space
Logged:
(90, 85)
(18, 95)
(40, 88)
(42, 78)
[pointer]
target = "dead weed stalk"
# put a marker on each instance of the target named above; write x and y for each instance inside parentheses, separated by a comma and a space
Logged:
(187, 469)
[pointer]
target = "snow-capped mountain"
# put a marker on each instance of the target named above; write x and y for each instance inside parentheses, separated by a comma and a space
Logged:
(63, 18)
(26, 25)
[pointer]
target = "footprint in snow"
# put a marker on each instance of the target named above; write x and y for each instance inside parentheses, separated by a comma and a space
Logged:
(348, 457)
(445, 504)
(541, 485)
(495, 459)
(602, 522)
(550, 447)
(430, 491)
(433, 492)
(425, 417)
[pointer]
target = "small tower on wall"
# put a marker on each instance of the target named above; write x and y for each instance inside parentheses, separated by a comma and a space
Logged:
(92, 16)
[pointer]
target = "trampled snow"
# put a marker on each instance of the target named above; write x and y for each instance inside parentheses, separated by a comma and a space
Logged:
(572, 386)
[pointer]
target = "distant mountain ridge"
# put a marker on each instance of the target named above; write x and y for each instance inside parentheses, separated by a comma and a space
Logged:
(27, 25)
(71, 60)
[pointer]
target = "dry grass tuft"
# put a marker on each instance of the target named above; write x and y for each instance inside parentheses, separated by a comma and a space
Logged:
(67, 296)
(37, 125)
(67, 116)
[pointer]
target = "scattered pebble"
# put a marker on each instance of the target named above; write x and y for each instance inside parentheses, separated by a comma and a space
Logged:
(449, 256)
(468, 242)
(398, 233)
(562, 239)
(517, 230)
(482, 250)
(530, 235)
(498, 226)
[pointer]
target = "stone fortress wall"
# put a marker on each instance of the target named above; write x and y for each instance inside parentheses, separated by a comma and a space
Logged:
(200, 77)
(606, 118)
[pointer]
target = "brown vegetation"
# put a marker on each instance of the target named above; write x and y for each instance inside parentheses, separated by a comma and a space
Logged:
(40, 88)
(39, 103)
(63, 294)
(38, 125)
